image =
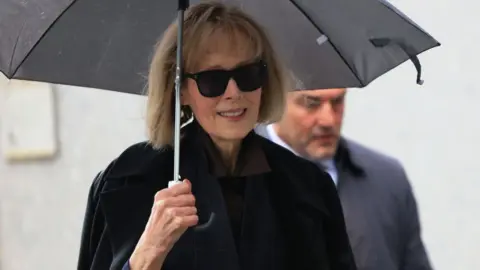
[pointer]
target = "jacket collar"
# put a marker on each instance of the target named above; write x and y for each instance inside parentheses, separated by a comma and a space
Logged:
(346, 159)
(142, 158)
(251, 158)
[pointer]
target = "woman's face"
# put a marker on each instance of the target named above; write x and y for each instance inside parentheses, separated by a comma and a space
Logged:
(232, 115)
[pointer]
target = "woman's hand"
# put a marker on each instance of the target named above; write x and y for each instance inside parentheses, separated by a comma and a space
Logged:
(172, 213)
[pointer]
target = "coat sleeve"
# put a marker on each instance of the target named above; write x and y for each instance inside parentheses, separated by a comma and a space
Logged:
(93, 225)
(337, 242)
(415, 256)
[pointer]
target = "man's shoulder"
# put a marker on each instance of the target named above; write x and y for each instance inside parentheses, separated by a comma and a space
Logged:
(369, 156)
(287, 162)
(303, 176)
(380, 168)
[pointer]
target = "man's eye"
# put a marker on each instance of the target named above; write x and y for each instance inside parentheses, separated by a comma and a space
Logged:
(337, 101)
(311, 104)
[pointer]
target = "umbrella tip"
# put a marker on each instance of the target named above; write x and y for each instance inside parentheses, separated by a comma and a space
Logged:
(183, 4)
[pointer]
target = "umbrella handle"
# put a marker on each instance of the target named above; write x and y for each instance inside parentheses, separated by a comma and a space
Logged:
(173, 183)
(182, 6)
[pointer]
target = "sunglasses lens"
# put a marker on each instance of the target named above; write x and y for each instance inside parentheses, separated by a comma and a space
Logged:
(212, 83)
(250, 77)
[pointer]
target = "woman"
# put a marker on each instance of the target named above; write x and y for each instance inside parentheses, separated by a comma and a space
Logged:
(245, 203)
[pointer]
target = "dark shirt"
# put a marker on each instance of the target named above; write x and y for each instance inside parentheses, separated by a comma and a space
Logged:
(251, 161)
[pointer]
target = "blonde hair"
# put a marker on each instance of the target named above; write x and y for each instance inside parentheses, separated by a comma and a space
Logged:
(201, 22)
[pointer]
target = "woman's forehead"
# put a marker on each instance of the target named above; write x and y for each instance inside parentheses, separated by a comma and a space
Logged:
(225, 50)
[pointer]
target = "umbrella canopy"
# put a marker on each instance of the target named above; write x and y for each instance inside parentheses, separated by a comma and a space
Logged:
(108, 44)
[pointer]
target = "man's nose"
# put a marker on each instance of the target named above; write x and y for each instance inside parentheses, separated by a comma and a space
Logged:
(326, 115)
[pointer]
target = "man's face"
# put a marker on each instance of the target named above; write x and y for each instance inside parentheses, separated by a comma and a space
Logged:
(312, 121)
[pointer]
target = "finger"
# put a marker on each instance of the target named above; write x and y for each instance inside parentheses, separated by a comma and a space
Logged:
(185, 211)
(183, 222)
(190, 221)
(172, 214)
(184, 187)
(179, 201)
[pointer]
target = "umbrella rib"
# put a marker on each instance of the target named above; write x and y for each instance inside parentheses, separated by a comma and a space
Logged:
(41, 37)
(15, 50)
(404, 17)
(329, 40)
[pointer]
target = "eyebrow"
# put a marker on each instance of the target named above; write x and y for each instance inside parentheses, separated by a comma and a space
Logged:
(310, 98)
(318, 99)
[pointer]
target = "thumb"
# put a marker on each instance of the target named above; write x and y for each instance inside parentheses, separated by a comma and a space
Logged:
(186, 181)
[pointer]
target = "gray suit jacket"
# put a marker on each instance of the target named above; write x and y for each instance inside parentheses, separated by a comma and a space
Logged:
(380, 209)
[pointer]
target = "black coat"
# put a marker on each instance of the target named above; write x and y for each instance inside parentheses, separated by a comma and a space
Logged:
(307, 211)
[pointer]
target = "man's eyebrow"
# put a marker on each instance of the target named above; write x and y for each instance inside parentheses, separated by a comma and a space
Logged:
(311, 98)
(306, 96)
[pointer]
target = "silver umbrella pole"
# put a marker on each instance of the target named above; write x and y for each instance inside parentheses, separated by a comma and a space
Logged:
(182, 6)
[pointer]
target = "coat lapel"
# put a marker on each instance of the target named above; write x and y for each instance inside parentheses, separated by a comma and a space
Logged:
(126, 203)
(301, 214)
(214, 246)
(261, 243)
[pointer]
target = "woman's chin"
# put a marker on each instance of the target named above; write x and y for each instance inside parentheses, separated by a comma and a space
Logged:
(233, 134)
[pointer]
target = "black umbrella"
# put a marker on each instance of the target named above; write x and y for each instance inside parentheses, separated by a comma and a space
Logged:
(107, 44)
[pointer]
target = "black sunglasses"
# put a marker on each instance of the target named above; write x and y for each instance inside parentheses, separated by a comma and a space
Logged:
(213, 83)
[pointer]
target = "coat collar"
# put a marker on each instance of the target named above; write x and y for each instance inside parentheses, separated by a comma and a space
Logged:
(346, 158)
(251, 158)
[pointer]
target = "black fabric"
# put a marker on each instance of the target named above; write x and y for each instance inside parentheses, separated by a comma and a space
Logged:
(233, 189)
(251, 161)
(113, 40)
(292, 217)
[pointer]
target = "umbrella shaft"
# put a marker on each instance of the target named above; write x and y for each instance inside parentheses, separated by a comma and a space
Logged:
(178, 87)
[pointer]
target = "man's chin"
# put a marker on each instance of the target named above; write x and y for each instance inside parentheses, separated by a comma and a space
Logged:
(323, 152)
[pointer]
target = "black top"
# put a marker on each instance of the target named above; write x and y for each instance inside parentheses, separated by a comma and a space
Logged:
(251, 161)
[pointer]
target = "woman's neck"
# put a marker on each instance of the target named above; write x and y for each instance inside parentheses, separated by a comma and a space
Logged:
(229, 150)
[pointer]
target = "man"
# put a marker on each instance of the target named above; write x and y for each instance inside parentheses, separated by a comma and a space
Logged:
(379, 205)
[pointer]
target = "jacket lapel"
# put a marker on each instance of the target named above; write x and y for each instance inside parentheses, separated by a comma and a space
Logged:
(214, 246)
(262, 244)
(126, 203)
(301, 212)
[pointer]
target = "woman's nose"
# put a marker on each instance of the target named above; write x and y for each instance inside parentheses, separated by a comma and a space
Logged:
(232, 91)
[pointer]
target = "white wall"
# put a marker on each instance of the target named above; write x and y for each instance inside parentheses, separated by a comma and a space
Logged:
(434, 129)
(42, 203)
